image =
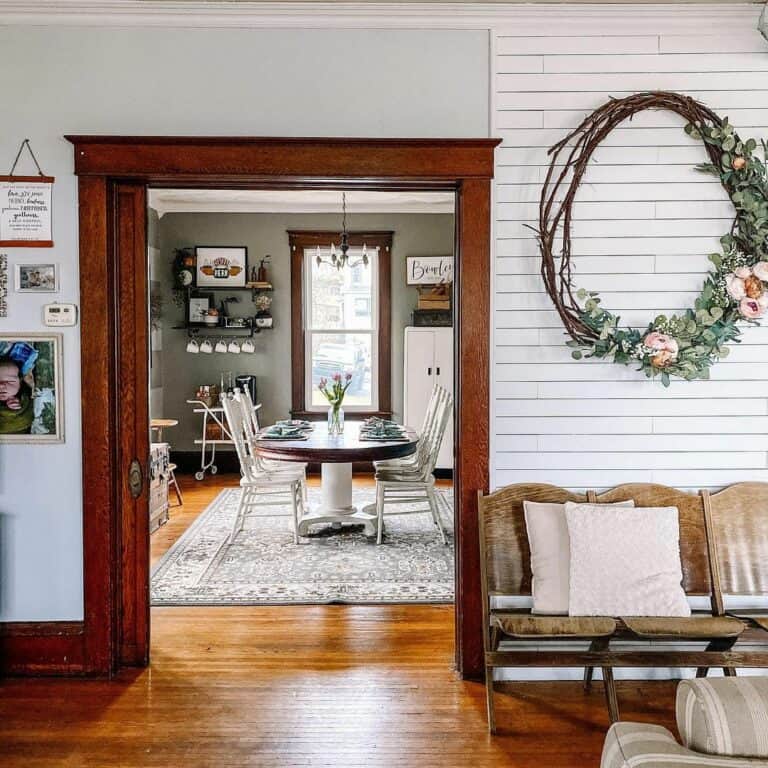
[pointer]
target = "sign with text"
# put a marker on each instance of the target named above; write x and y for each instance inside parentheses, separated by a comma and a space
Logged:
(25, 211)
(429, 270)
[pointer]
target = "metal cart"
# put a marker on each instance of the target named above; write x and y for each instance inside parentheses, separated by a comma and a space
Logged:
(213, 413)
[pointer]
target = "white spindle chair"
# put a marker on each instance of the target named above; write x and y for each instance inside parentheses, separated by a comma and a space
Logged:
(281, 487)
(416, 484)
(421, 449)
(252, 427)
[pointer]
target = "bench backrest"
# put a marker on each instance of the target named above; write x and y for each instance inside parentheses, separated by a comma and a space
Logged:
(506, 557)
(739, 523)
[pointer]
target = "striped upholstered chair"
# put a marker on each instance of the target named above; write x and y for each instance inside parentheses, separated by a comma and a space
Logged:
(723, 723)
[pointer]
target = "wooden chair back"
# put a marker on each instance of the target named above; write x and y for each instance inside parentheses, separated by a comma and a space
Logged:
(506, 556)
(738, 518)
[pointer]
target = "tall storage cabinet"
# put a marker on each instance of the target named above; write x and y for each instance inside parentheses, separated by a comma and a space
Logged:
(428, 361)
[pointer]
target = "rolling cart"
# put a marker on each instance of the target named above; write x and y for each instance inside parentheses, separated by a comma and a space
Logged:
(215, 414)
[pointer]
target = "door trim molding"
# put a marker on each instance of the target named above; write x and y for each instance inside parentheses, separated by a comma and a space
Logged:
(465, 166)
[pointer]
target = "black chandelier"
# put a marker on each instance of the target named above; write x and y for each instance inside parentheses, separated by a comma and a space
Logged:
(340, 258)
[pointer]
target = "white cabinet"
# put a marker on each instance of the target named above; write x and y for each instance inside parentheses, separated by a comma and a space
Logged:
(428, 361)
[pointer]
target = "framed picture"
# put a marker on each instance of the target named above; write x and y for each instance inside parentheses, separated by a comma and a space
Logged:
(37, 278)
(3, 285)
(199, 304)
(222, 266)
(429, 270)
(31, 397)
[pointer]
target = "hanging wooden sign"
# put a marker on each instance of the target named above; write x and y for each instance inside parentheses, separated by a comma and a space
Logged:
(26, 207)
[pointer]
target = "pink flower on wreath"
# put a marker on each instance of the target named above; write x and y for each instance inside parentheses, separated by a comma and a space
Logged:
(753, 308)
(665, 348)
(735, 286)
(742, 272)
(761, 270)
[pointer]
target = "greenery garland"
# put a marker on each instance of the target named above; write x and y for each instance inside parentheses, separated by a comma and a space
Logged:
(735, 291)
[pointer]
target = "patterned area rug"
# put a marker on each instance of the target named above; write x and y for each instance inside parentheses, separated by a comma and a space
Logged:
(265, 567)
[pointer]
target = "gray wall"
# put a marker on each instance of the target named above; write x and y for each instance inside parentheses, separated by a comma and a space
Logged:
(414, 234)
(56, 81)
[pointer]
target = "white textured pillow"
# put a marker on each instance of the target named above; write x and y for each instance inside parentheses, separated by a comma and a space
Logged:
(625, 562)
(550, 555)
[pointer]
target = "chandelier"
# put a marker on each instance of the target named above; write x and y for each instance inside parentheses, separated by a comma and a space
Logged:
(340, 258)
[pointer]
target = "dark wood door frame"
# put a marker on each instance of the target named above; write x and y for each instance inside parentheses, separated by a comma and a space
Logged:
(115, 631)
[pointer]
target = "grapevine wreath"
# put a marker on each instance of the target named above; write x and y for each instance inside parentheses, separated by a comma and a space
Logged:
(735, 290)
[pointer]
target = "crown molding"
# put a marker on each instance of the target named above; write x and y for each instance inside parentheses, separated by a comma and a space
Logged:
(677, 17)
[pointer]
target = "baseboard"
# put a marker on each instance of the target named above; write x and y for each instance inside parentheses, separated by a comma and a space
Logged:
(42, 648)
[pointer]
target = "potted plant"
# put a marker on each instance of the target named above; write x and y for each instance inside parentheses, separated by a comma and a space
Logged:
(263, 316)
(334, 392)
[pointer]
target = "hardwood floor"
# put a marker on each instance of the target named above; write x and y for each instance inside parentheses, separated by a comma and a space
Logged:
(277, 687)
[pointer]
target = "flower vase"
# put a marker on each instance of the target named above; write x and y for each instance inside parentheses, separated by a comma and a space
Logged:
(335, 420)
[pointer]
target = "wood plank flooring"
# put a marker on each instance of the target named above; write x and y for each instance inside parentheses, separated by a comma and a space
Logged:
(342, 686)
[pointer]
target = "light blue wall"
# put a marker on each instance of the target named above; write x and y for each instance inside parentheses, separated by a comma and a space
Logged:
(55, 81)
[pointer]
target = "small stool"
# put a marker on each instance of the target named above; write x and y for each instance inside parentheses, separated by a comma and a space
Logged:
(157, 426)
(173, 482)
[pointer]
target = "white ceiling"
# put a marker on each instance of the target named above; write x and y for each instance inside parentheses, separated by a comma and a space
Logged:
(296, 201)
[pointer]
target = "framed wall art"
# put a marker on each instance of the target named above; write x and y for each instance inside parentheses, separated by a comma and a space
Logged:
(37, 278)
(222, 266)
(31, 396)
(3, 285)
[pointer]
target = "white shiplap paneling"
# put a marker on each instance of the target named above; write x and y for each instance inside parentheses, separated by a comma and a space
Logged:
(644, 222)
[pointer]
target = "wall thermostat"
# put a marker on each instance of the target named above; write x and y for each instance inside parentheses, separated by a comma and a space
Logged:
(60, 315)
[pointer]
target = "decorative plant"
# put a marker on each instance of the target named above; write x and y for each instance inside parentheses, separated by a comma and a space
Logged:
(685, 345)
(263, 303)
(183, 269)
(334, 393)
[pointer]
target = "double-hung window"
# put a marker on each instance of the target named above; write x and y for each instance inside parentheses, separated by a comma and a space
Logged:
(342, 316)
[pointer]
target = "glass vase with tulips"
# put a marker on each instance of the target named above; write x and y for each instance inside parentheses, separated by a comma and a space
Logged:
(334, 391)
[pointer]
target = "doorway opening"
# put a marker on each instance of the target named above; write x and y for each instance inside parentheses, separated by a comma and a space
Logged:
(248, 297)
(114, 174)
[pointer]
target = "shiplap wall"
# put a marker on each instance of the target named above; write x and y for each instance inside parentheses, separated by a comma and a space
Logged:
(645, 220)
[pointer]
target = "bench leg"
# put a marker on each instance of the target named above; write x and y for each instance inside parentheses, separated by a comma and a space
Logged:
(588, 674)
(730, 671)
(610, 694)
(702, 671)
(489, 699)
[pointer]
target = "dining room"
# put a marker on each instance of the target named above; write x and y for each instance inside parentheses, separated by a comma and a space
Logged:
(301, 377)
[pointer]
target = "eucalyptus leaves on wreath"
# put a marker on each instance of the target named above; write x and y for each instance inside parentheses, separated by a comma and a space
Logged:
(735, 291)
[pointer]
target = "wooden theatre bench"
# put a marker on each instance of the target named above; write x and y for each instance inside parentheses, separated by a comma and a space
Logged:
(723, 550)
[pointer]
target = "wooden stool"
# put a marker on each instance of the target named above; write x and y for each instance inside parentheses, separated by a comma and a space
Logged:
(173, 482)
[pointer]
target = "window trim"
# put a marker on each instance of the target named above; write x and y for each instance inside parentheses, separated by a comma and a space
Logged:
(299, 241)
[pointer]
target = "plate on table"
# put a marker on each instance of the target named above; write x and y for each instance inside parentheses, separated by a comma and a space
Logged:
(295, 423)
(367, 437)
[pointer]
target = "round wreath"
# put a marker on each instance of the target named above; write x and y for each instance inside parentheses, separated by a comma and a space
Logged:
(735, 290)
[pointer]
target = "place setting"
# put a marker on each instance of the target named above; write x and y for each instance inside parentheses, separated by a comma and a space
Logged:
(286, 429)
(375, 429)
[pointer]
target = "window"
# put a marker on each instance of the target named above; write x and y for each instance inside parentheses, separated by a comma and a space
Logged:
(343, 324)
(338, 336)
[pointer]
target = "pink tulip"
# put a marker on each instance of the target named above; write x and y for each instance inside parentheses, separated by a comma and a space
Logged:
(322, 383)
(753, 308)
(348, 376)
(337, 377)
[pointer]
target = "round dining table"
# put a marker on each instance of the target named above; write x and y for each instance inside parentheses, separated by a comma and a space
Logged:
(336, 454)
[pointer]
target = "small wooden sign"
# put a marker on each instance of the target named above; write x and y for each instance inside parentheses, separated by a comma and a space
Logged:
(429, 270)
(25, 211)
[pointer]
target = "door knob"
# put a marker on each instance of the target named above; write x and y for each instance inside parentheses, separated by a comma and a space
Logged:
(135, 479)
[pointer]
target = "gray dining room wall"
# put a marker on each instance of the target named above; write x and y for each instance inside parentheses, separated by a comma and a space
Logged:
(262, 233)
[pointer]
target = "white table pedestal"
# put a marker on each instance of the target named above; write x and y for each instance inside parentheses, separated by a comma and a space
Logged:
(336, 506)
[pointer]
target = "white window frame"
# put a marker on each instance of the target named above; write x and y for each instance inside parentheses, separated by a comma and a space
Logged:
(373, 263)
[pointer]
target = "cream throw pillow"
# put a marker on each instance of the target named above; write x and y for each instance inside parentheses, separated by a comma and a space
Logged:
(625, 562)
(550, 555)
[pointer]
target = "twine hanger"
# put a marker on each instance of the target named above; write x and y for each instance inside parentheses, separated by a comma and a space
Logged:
(26, 144)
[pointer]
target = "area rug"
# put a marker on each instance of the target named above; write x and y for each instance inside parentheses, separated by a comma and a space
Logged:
(264, 567)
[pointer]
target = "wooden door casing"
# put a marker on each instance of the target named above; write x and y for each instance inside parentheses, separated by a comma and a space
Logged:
(113, 172)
